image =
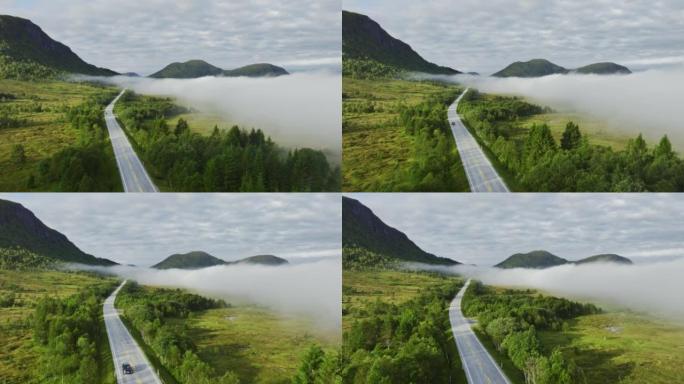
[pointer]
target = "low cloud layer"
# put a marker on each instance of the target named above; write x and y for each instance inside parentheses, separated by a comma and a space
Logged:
(311, 289)
(300, 110)
(654, 288)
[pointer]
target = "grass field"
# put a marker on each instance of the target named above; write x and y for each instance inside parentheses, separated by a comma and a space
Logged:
(259, 345)
(375, 146)
(19, 358)
(42, 105)
(201, 122)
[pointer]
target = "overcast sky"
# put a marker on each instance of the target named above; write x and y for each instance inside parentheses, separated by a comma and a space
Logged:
(486, 36)
(145, 35)
(143, 229)
(484, 229)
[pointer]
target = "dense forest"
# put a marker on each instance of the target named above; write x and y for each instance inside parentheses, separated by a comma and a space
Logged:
(539, 163)
(227, 160)
(20, 259)
(512, 318)
(148, 311)
(368, 69)
(71, 336)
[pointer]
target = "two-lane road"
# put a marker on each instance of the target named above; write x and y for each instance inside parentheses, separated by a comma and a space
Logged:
(125, 349)
(482, 176)
(133, 175)
(478, 364)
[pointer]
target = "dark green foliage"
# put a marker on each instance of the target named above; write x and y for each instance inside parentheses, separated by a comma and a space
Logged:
(538, 165)
(198, 68)
(20, 228)
(360, 259)
(363, 38)
(20, 259)
(404, 343)
(534, 259)
(31, 54)
(71, 336)
(318, 367)
(361, 228)
(511, 319)
(232, 160)
(151, 312)
(190, 260)
(368, 69)
(604, 69)
(532, 68)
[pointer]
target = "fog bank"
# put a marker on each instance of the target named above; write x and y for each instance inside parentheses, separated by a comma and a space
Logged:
(646, 102)
(311, 289)
(655, 288)
(298, 110)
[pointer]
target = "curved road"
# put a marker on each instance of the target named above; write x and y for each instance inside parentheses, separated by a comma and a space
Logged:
(125, 349)
(133, 174)
(482, 176)
(478, 365)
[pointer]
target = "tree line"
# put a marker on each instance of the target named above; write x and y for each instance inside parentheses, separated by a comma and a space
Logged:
(150, 312)
(368, 69)
(227, 160)
(540, 163)
(511, 320)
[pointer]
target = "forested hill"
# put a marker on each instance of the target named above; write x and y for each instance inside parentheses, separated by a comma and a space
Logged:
(365, 39)
(23, 43)
(199, 68)
(20, 228)
(543, 259)
(200, 259)
(361, 228)
(603, 69)
(542, 67)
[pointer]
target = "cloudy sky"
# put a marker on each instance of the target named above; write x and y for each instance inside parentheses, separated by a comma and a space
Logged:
(144, 229)
(484, 229)
(144, 36)
(485, 36)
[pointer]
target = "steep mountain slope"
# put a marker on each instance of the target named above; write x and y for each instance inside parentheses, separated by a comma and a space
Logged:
(362, 228)
(363, 38)
(532, 68)
(190, 260)
(605, 258)
(199, 68)
(19, 227)
(603, 69)
(23, 41)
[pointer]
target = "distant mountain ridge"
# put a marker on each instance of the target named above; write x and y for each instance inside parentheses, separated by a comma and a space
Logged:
(543, 67)
(199, 68)
(200, 259)
(19, 227)
(363, 38)
(541, 259)
(363, 229)
(23, 41)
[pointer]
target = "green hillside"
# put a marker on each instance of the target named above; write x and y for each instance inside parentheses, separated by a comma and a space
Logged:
(198, 68)
(364, 39)
(532, 68)
(25, 47)
(605, 258)
(603, 69)
(262, 260)
(190, 260)
(20, 228)
(534, 259)
(361, 228)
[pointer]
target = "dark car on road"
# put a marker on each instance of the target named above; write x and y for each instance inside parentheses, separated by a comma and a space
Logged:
(127, 369)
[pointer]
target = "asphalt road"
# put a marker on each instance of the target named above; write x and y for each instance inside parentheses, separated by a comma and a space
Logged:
(125, 349)
(478, 364)
(133, 174)
(482, 176)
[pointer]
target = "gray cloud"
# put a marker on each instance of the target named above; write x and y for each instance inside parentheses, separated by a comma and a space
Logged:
(143, 229)
(485, 36)
(485, 229)
(144, 36)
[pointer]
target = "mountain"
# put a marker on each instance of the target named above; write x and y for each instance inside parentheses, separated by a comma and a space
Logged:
(190, 260)
(20, 228)
(603, 69)
(363, 38)
(605, 258)
(363, 229)
(199, 259)
(532, 68)
(544, 259)
(199, 68)
(261, 259)
(23, 41)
